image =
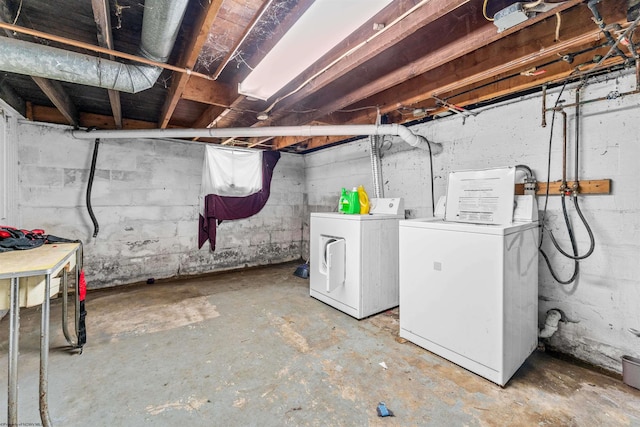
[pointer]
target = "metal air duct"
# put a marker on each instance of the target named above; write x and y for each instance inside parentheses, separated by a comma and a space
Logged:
(160, 26)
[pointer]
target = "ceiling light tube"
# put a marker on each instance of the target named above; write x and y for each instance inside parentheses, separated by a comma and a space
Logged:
(322, 27)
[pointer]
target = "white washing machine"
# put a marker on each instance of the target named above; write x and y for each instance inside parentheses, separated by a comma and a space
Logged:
(469, 293)
(354, 258)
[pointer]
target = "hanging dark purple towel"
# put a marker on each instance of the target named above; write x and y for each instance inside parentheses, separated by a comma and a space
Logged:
(219, 208)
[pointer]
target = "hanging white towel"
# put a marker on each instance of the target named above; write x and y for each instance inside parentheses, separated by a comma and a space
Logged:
(231, 172)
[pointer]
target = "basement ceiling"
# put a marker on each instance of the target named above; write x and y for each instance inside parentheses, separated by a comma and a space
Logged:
(415, 60)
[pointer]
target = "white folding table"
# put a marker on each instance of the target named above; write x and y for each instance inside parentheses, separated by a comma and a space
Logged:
(43, 261)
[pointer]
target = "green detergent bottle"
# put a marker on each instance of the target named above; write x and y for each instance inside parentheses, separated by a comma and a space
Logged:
(343, 204)
(354, 202)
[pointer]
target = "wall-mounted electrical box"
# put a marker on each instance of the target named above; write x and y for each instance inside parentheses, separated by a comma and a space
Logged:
(510, 16)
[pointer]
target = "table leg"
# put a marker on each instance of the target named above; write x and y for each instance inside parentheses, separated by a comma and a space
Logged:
(14, 334)
(65, 309)
(44, 354)
(65, 303)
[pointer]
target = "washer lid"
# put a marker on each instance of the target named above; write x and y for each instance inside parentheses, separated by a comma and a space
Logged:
(355, 217)
(440, 224)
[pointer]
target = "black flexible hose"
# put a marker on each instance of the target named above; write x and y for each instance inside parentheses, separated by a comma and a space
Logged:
(433, 203)
(586, 226)
(92, 173)
(576, 267)
(574, 246)
(527, 169)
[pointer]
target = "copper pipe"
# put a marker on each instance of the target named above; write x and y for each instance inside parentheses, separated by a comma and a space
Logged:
(544, 106)
(563, 186)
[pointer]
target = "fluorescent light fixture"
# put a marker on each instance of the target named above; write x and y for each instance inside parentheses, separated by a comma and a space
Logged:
(323, 26)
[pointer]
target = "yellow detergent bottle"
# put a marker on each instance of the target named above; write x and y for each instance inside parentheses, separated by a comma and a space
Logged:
(364, 200)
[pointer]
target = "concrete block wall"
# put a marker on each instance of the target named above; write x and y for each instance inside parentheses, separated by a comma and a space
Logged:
(601, 305)
(145, 197)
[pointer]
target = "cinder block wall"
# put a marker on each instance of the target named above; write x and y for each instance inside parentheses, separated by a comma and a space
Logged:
(602, 304)
(145, 197)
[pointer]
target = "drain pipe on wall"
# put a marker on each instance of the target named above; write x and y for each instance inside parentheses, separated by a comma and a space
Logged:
(550, 324)
(403, 132)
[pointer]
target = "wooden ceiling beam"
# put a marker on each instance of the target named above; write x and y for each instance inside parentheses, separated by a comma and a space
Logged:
(189, 58)
(492, 61)
(41, 113)
(376, 43)
(555, 72)
(475, 41)
(256, 18)
(208, 117)
(11, 97)
(208, 92)
(60, 98)
(102, 18)
(274, 37)
(286, 141)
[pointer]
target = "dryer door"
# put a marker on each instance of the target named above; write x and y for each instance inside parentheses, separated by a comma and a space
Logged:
(334, 256)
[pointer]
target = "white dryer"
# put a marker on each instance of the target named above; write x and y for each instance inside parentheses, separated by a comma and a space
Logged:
(469, 286)
(354, 258)
(469, 293)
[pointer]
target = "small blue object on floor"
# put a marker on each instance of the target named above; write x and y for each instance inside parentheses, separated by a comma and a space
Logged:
(302, 271)
(383, 411)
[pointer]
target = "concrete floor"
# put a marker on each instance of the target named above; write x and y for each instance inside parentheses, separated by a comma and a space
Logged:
(251, 348)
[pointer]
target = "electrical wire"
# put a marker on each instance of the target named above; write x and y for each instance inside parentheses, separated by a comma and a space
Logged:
(484, 11)
(433, 203)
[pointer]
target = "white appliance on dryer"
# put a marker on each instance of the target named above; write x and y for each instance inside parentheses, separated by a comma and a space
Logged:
(469, 291)
(354, 258)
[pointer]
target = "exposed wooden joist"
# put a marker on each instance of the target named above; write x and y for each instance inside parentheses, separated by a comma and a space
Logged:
(208, 117)
(41, 113)
(208, 92)
(102, 18)
(245, 34)
(553, 72)
(487, 61)
(499, 58)
(314, 142)
(189, 58)
(426, 13)
(60, 98)
(485, 35)
(232, 116)
(280, 30)
(11, 97)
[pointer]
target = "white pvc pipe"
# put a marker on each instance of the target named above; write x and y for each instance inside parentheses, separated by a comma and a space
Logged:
(550, 324)
(253, 132)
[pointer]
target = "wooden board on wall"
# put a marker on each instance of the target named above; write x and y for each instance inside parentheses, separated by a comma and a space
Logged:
(590, 186)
